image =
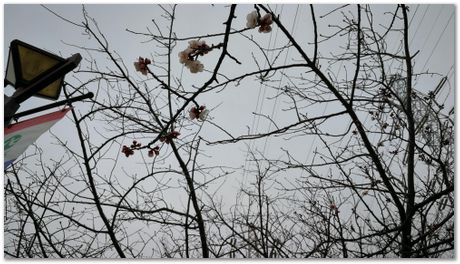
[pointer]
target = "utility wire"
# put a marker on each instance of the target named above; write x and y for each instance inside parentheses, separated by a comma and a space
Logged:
(413, 15)
(324, 111)
(418, 26)
(399, 43)
(439, 39)
(450, 72)
(271, 58)
(431, 30)
(259, 104)
(294, 23)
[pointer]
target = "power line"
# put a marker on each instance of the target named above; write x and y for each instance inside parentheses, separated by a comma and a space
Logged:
(432, 27)
(324, 111)
(294, 23)
(255, 124)
(399, 43)
(415, 33)
(271, 57)
(450, 72)
(439, 39)
(413, 15)
(418, 26)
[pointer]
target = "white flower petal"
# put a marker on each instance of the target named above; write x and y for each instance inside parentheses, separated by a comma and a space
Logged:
(203, 115)
(251, 19)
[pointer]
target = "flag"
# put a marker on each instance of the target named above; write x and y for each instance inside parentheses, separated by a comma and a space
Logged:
(19, 136)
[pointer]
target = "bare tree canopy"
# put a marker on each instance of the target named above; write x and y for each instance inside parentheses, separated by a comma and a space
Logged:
(352, 155)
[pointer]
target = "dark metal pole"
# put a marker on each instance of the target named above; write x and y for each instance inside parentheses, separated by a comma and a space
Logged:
(11, 106)
(49, 106)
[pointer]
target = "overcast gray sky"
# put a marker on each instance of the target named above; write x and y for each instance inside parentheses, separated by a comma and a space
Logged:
(432, 33)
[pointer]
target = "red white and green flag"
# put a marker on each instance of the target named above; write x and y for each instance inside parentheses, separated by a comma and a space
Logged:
(21, 135)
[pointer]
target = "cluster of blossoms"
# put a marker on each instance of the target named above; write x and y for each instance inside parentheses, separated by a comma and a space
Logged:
(264, 23)
(128, 151)
(189, 56)
(199, 113)
(141, 65)
(167, 138)
(154, 151)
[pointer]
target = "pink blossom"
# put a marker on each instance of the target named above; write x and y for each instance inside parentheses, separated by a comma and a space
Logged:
(154, 151)
(141, 65)
(195, 66)
(188, 56)
(193, 113)
(204, 49)
(265, 23)
(184, 56)
(135, 144)
(174, 134)
(203, 115)
(194, 44)
(251, 19)
(199, 113)
(127, 151)
(199, 47)
(266, 19)
(168, 137)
